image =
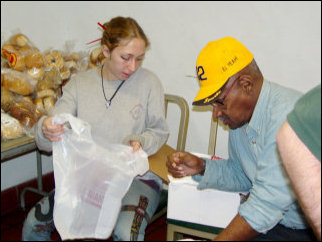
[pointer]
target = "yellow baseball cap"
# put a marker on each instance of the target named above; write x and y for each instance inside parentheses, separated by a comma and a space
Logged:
(216, 63)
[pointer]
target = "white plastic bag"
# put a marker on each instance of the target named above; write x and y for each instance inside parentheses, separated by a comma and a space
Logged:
(90, 181)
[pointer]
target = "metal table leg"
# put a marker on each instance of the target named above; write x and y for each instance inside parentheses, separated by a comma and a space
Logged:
(39, 190)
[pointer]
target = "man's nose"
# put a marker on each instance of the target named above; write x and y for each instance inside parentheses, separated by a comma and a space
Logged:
(216, 112)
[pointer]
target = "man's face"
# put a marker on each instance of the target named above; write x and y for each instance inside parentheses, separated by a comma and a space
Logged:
(233, 106)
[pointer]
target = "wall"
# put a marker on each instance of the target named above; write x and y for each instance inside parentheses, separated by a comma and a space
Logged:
(285, 38)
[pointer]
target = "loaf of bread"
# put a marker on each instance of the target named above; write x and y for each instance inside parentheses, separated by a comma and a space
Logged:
(45, 93)
(14, 58)
(34, 59)
(101, 58)
(51, 80)
(71, 57)
(19, 40)
(71, 64)
(19, 82)
(25, 112)
(92, 65)
(36, 73)
(39, 104)
(10, 127)
(20, 63)
(8, 48)
(7, 99)
(65, 73)
(49, 103)
(54, 59)
(94, 56)
(27, 49)
(27, 99)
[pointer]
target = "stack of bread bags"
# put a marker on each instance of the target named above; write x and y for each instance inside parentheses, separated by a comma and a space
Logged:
(31, 83)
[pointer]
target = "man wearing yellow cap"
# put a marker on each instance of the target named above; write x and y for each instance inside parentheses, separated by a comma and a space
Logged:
(254, 109)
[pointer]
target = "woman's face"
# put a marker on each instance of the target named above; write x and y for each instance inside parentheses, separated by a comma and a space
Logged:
(124, 60)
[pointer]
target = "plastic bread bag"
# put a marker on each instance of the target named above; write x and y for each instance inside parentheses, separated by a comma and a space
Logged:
(10, 127)
(21, 54)
(26, 112)
(18, 82)
(75, 61)
(90, 181)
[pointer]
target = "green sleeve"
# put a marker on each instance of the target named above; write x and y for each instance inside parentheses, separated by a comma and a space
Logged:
(305, 120)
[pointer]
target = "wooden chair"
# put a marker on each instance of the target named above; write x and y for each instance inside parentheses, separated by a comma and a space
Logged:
(181, 144)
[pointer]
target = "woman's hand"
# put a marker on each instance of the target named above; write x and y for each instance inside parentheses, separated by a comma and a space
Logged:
(52, 132)
(136, 145)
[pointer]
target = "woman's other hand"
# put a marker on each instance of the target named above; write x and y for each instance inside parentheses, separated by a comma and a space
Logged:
(136, 145)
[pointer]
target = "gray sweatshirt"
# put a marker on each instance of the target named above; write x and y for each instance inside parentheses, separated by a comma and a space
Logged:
(136, 111)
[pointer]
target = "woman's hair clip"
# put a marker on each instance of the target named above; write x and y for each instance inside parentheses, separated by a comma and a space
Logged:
(101, 25)
(94, 41)
(99, 38)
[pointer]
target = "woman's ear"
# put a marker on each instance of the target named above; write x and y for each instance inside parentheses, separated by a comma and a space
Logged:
(106, 51)
(246, 82)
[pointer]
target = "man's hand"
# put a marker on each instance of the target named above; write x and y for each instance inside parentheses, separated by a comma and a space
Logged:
(182, 164)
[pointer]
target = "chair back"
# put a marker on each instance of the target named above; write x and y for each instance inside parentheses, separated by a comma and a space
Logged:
(181, 144)
(212, 136)
(184, 118)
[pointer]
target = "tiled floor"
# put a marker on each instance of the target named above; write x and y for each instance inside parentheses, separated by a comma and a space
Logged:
(11, 226)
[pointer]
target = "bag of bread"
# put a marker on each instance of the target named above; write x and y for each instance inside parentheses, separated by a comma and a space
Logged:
(96, 58)
(51, 79)
(33, 57)
(49, 103)
(18, 82)
(21, 53)
(45, 104)
(54, 59)
(73, 61)
(36, 73)
(7, 99)
(10, 127)
(14, 58)
(19, 40)
(25, 112)
(10, 51)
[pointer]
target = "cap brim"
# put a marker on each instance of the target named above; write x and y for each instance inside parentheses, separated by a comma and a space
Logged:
(206, 95)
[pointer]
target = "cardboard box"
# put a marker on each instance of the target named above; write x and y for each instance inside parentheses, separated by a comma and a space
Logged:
(157, 162)
(206, 207)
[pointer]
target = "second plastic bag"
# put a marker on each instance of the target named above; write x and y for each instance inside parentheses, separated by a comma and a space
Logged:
(90, 181)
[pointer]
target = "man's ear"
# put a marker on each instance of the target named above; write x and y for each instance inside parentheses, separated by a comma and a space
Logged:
(246, 82)
(106, 51)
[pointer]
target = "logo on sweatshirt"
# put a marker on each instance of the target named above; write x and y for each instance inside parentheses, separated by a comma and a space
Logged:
(137, 111)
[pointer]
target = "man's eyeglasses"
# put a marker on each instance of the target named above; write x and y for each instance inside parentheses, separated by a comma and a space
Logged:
(221, 98)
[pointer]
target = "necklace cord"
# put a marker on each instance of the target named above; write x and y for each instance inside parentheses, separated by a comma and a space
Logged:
(108, 102)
